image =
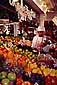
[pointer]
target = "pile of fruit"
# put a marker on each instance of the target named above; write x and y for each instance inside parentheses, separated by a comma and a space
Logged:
(7, 78)
(21, 66)
(15, 40)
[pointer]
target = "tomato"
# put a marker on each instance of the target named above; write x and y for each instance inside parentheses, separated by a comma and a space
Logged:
(26, 83)
(19, 81)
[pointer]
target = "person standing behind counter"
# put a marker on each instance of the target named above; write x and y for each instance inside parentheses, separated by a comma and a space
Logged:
(39, 39)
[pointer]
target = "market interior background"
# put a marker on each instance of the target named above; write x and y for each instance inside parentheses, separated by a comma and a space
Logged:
(41, 12)
(20, 64)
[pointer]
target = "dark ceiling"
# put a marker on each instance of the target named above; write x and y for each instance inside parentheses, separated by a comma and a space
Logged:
(31, 4)
(7, 11)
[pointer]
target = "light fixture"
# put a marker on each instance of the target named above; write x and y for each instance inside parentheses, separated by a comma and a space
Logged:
(12, 2)
(40, 0)
(48, 10)
(15, 0)
(45, 5)
(23, 11)
(42, 5)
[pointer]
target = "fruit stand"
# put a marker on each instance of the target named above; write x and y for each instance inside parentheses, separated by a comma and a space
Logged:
(21, 65)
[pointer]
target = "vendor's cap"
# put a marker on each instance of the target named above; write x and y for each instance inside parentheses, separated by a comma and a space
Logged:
(40, 28)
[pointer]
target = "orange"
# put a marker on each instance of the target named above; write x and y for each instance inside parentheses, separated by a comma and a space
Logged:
(10, 54)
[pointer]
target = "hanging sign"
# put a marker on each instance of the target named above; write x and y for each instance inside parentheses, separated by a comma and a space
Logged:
(12, 2)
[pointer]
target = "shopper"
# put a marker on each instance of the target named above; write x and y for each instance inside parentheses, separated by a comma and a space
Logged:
(39, 39)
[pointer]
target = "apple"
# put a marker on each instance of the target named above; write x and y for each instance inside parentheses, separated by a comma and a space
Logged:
(11, 76)
(3, 75)
(5, 81)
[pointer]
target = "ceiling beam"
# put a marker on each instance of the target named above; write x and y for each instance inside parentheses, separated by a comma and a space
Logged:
(2, 6)
(34, 6)
(53, 3)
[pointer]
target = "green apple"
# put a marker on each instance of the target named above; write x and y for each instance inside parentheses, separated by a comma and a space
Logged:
(11, 76)
(3, 75)
(5, 81)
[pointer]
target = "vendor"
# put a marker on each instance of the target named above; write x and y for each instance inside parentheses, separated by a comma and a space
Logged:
(39, 39)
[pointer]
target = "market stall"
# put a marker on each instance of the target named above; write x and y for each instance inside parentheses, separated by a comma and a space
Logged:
(20, 62)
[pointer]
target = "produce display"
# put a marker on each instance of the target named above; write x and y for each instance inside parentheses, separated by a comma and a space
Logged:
(20, 65)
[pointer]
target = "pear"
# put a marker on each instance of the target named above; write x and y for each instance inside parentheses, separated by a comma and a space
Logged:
(42, 67)
(46, 71)
(35, 70)
(53, 72)
(56, 73)
(33, 66)
(39, 71)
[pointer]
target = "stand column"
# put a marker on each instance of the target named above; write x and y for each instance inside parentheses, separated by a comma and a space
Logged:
(21, 2)
(15, 29)
(42, 19)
